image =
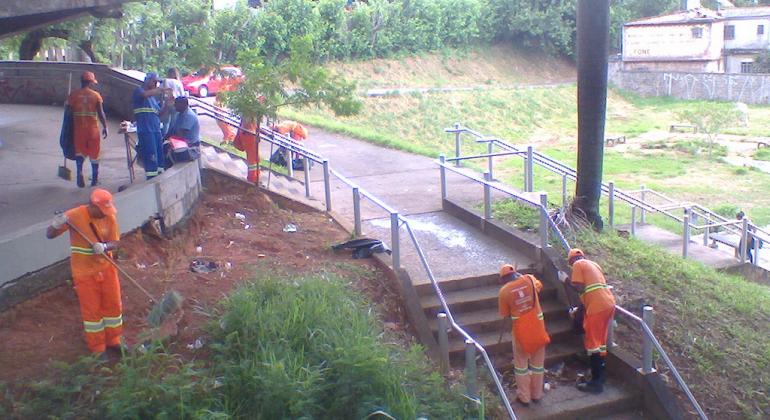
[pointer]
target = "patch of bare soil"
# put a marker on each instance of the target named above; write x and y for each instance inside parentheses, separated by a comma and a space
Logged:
(48, 327)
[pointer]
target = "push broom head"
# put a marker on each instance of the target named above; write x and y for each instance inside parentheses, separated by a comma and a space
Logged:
(169, 303)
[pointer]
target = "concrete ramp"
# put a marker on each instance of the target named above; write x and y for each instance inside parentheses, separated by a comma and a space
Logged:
(24, 15)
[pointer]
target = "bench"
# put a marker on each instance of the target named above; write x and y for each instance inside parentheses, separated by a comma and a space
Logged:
(611, 141)
(682, 128)
(729, 240)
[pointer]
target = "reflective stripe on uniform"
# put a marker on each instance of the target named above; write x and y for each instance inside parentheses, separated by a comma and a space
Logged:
(151, 173)
(113, 322)
(600, 349)
(84, 114)
(520, 371)
(514, 318)
(591, 288)
(253, 167)
(81, 250)
(94, 327)
(142, 110)
(536, 370)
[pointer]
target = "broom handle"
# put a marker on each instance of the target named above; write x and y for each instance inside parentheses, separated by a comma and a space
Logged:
(111, 261)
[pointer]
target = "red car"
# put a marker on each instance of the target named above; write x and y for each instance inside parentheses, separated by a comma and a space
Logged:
(209, 82)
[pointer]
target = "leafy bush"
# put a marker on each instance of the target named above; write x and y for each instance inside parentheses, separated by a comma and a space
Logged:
(280, 348)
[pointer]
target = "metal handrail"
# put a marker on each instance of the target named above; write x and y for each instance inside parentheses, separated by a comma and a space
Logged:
(647, 331)
(267, 134)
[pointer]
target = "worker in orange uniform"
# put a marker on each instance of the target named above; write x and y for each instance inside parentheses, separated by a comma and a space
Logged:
(228, 134)
(293, 129)
(519, 301)
(249, 143)
(86, 106)
(94, 278)
(588, 280)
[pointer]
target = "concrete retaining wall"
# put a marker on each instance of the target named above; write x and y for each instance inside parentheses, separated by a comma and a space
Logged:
(31, 263)
(48, 83)
(733, 87)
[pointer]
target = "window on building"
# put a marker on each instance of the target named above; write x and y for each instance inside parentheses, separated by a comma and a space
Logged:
(746, 66)
(730, 32)
(760, 29)
(697, 32)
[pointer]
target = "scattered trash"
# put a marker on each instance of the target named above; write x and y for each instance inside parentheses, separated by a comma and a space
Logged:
(556, 369)
(199, 249)
(546, 387)
(140, 266)
(246, 227)
(363, 248)
(290, 227)
(240, 216)
(201, 266)
(197, 345)
(228, 266)
(230, 244)
(261, 255)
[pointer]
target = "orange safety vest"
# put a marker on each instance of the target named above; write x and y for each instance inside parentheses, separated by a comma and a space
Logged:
(83, 260)
(518, 300)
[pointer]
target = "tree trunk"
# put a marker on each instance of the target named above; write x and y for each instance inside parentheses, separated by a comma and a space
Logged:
(592, 49)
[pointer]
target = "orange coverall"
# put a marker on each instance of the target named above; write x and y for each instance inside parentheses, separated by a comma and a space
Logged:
(599, 303)
(518, 300)
(85, 104)
(95, 279)
(294, 129)
(227, 131)
(247, 142)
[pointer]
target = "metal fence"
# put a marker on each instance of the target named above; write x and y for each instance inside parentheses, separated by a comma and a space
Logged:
(549, 228)
(641, 202)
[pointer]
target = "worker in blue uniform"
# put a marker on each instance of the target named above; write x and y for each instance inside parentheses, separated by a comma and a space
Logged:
(148, 113)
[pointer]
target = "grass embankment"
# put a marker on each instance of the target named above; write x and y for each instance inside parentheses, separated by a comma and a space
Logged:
(277, 348)
(672, 163)
(714, 326)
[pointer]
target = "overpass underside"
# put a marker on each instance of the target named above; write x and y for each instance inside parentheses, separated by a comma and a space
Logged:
(25, 15)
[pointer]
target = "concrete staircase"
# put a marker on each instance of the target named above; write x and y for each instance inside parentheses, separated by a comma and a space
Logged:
(473, 302)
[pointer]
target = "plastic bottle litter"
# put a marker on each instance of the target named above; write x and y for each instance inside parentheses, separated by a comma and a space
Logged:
(240, 216)
(290, 228)
(198, 249)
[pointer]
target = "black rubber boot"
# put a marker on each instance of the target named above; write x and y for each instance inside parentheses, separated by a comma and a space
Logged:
(79, 163)
(596, 384)
(94, 174)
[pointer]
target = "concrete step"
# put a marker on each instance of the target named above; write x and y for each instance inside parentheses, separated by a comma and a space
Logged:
(488, 319)
(474, 299)
(461, 283)
(563, 348)
(631, 414)
(566, 402)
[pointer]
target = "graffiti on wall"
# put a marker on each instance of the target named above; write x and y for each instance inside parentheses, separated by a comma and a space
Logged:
(747, 88)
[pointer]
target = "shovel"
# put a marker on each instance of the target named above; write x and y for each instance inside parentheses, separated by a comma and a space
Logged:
(65, 172)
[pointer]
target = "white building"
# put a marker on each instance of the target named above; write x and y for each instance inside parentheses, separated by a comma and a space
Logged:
(698, 40)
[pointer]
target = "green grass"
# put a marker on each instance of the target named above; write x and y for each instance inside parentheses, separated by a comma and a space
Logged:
(279, 347)
(762, 154)
(715, 325)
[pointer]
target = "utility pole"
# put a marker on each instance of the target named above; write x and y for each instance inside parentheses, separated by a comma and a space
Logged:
(593, 23)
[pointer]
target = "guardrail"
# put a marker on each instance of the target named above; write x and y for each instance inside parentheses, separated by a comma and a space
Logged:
(548, 227)
(691, 212)
(396, 221)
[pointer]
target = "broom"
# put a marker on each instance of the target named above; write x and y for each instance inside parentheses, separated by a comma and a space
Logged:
(162, 308)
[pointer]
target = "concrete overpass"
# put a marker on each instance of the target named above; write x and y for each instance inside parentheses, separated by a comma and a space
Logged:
(24, 15)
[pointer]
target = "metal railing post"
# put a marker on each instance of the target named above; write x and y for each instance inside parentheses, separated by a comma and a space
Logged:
(642, 216)
(487, 197)
(611, 334)
(611, 200)
(564, 191)
(443, 342)
(457, 145)
(706, 234)
(649, 318)
(756, 251)
(470, 369)
(686, 234)
(395, 247)
(442, 170)
(490, 163)
(544, 221)
(357, 211)
(633, 220)
(289, 163)
(530, 171)
(307, 176)
(744, 239)
(327, 185)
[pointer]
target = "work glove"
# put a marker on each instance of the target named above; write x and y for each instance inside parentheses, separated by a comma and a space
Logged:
(59, 221)
(99, 247)
(563, 276)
